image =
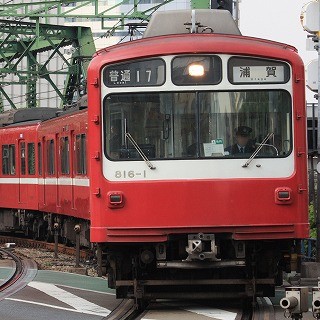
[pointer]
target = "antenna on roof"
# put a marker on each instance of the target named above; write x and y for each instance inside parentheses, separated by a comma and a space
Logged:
(193, 26)
(193, 22)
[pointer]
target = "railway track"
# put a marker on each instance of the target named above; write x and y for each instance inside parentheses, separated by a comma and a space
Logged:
(30, 243)
(264, 310)
(24, 271)
(168, 309)
(126, 310)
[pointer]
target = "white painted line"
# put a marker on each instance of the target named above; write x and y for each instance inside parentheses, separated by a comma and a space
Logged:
(213, 313)
(72, 300)
(81, 289)
(51, 306)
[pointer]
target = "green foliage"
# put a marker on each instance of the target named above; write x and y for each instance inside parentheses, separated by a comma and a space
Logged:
(312, 221)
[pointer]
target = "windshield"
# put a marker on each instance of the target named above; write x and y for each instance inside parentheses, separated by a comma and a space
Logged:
(191, 125)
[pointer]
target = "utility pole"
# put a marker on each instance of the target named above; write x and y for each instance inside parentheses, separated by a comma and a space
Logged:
(317, 47)
(310, 19)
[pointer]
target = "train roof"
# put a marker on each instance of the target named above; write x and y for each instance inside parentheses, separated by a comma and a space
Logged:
(26, 116)
(194, 43)
(29, 116)
(191, 21)
(169, 33)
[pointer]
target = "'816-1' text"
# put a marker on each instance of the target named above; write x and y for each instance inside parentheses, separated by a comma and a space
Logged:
(130, 174)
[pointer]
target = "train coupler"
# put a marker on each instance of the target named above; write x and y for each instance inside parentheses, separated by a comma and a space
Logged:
(202, 247)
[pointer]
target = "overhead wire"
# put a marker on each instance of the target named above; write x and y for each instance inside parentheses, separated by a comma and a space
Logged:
(75, 88)
(108, 33)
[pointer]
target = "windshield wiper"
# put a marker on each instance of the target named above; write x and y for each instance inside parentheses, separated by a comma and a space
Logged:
(269, 136)
(141, 153)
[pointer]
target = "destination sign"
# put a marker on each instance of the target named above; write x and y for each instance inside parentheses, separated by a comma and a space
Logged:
(260, 74)
(140, 73)
(257, 71)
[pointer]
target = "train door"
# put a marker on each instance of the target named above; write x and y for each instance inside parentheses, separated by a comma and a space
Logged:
(71, 163)
(50, 174)
(64, 189)
(80, 173)
(22, 170)
(41, 170)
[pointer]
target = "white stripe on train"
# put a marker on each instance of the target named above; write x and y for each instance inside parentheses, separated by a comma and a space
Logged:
(47, 181)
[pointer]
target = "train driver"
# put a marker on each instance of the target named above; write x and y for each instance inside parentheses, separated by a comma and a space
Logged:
(243, 143)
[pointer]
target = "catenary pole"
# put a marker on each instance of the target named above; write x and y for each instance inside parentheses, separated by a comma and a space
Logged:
(317, 47)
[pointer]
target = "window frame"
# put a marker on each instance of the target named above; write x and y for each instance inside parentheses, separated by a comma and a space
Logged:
(31, 156)
(50, 144)
(23, 168)
(64, 155)
(80, 158)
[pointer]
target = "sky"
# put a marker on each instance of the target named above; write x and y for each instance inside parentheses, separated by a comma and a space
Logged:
(277, 20)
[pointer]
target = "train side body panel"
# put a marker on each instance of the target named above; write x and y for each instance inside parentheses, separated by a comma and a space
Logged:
(63, 191)
(19, 183)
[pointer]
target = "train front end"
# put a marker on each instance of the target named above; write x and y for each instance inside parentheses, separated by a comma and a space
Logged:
(177, 207)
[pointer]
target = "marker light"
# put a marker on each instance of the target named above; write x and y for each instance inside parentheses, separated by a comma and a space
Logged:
(115, 199)
(196, 70)
(283, 195)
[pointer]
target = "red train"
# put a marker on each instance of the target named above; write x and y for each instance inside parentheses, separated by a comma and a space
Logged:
(44, 177)
(189, 164)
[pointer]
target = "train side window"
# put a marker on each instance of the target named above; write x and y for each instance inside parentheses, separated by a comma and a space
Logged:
(23, 158)
(8, 159)
(81, 154)
(50, 157)
(5, 159)
(12, 159)
(65, 155)
(31, 159)
(39, 158)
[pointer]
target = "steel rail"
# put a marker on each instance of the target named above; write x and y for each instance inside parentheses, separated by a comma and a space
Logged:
(126, 310)
(263, 310)
(25, 271)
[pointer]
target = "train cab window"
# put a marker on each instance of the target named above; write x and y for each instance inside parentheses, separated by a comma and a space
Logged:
(23, 158)
(50, 157)
(31, 159)
(191, 125)
(8, 159)
(39, 158)
(64, 155)
(81, 154)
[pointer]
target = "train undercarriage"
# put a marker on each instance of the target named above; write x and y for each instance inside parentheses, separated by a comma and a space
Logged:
(197, 266)
(44, 226)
